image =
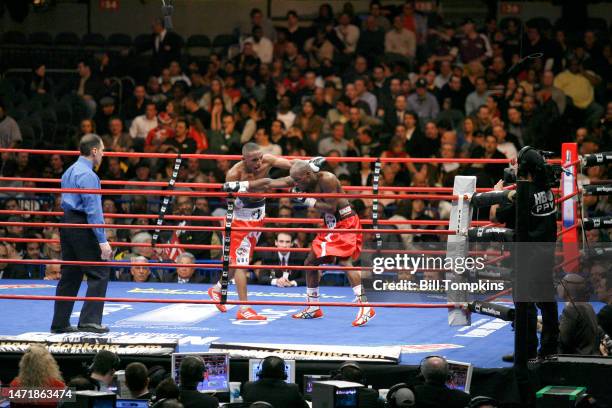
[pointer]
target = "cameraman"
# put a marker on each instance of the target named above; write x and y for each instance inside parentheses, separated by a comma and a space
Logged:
(542, 229)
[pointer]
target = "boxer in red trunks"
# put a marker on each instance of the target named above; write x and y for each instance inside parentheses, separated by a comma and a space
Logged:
(327, 246)
(248, 212)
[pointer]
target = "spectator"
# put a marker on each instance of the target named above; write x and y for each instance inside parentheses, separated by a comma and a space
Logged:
(284, 113)
(180, 142)
(38, 369)
(575, 82)
(473, 46)
(89, 88)
(347, 33)
(364, 95)
(142, 125)
(166, 46)
(478, 97)
(279, 277)
(548, 90)
(505, 146)
(370, 39)
(103, 368)
(579, 332)
(422, 102)
(271, 387)
(351, 371)
(191, 372)
(377, 12)
(319, 48)
(139, 274)
(10, 134)
(53, 271)
(184, 274)
(40, 84)
(262, 46)
(434, 392)
(160, 134)
(400, 41)
(166, 389)
(294, 33)
(137, 381)
(117, 140)
(415, 22)
(262, 139)
(257, 19)
(136, 104)
(456, 91)
(226, 140)
(334, 142)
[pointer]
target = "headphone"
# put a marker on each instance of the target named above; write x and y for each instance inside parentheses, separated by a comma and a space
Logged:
(268, 368)
(391, 402)
(261, 404)
(479, 401)
(338, 374)
(525, 166)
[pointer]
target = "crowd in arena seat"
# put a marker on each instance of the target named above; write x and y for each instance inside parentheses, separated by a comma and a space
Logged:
(392, 82)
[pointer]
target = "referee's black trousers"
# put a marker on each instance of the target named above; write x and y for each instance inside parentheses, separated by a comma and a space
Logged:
(80, 244)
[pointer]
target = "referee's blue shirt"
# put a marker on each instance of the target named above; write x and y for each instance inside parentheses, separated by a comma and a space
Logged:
(81, 175)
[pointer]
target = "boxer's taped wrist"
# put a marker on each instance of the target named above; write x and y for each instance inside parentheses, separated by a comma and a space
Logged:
(310, 202)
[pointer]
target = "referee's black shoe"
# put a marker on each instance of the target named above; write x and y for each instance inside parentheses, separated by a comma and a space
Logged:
(93, 328)
(67, 329)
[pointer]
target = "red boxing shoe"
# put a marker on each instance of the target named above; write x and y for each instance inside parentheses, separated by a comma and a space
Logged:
(249, 314)
(216, 296)
(305, 314)
(365, 315)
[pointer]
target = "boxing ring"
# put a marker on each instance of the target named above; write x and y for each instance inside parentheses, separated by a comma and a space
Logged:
(180, 317)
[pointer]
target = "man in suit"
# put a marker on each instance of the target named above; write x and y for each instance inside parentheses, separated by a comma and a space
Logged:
(138, 274)
(279, 277)
(434, 393)
(395, 116)
(272, 388)
(166, 46)
(184, 274)
(191, 373)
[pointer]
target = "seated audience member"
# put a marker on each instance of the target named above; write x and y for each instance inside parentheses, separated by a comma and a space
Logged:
(579, 332)
(103, 368)
(53, 271)
(166, 389)
(81, 383)
(137, 381)
(279, 277)
(184, 274)
(192, 371)
(434, 393)
(351, 371)
(272, 388)
(138, 273)
(401, 396)
(37, 369)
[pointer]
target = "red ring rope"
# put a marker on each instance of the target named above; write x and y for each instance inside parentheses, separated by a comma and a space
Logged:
(238, 302)
(232, 157)
(211, 228)
(221, 193)
(268, 220)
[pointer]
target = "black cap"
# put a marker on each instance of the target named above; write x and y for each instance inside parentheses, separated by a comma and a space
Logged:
(421, 83)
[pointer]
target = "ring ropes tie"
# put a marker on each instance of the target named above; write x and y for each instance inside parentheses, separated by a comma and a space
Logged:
(375, 207)
(166, 201)
(229, 217)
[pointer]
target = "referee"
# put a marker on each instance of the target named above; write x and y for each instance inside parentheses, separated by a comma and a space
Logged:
(83, 244)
